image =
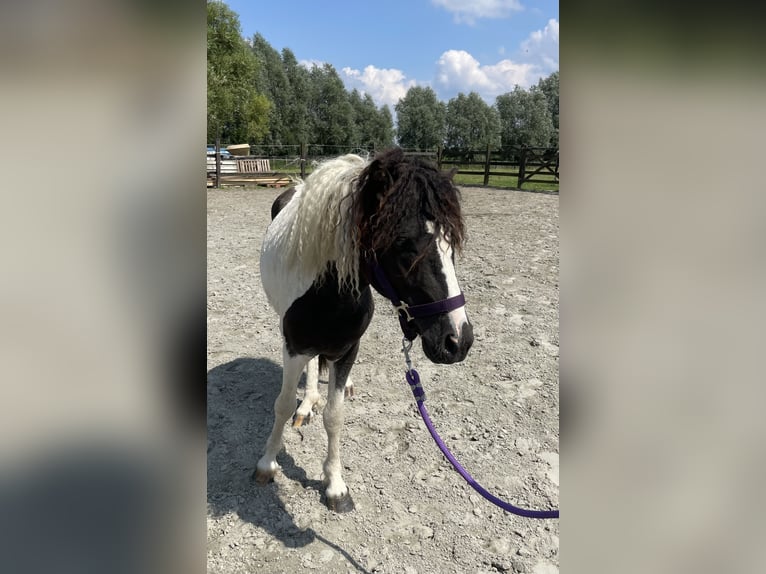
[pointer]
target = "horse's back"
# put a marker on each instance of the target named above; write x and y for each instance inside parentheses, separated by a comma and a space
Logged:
(282, 200)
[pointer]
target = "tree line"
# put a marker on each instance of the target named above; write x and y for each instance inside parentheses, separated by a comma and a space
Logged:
(260, 96)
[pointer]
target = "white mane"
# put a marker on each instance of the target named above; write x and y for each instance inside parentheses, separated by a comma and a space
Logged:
(320, 231)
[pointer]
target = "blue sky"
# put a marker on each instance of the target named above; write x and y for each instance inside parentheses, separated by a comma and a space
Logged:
(383, 48)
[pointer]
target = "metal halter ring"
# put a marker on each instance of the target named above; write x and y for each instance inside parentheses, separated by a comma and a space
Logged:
(403, 307)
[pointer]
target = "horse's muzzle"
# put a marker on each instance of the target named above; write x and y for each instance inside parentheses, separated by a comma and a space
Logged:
(449, 347)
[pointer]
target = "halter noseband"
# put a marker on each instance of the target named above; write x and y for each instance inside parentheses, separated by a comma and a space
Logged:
(407, 312)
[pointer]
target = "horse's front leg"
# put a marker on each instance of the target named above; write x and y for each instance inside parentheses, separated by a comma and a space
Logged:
(337, 496)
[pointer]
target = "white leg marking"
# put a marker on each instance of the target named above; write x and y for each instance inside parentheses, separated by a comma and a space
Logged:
(283, 408)
(349, 389)
(311, 397)
(333, 423)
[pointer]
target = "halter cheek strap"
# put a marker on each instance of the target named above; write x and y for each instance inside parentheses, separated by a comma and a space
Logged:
(407, 312)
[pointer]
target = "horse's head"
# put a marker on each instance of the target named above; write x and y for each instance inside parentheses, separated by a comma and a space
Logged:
(408, 217)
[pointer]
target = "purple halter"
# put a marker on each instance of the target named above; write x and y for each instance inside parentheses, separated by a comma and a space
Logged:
(409, 312)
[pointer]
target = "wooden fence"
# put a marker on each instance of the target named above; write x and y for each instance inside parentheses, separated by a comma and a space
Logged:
(525, 164)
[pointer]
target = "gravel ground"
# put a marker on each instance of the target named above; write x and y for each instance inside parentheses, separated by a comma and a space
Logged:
(497, 411)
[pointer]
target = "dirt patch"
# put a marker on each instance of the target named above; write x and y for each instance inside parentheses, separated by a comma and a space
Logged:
(497, 411)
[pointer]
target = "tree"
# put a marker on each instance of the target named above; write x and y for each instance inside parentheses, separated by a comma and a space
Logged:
(524, 118)
(386, 132)
(296, 116)
(331, 112)
(550, 87)
(374, 128)
(421, 118)
(272, 81)
(471, 123)
(235, 109)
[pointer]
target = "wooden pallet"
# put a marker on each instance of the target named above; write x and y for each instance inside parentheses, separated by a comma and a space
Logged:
(268, 180)
(253, 165)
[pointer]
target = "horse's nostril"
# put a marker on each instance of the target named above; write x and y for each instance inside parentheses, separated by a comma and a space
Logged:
(451, 344)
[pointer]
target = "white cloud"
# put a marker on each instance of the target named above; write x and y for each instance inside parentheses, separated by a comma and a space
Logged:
(459, 71)
(538, 56)
(469, 11)
(542, 47)
(386, 86)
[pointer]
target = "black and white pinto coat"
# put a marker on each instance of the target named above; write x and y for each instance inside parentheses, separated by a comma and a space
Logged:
(397, 210)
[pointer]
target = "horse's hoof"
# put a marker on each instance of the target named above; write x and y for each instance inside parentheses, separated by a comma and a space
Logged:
(300, 420)
(262, 478)
(340, 504)
(348, 392)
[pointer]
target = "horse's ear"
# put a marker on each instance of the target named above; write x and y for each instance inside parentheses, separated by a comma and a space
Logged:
(452, 173)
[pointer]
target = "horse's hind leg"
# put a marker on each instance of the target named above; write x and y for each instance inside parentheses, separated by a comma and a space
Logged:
(283, 407)
(311, 397)
(348, 390)
(337, 495)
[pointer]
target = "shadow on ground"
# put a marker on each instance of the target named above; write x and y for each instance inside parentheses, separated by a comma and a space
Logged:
(240, 399)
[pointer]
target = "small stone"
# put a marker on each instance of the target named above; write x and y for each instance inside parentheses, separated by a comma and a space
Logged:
(545, 568)
(500, 565)
(423, 532)
(522, 445)
(412, 509)
(326, 555)
(519, 566)
(500, 545)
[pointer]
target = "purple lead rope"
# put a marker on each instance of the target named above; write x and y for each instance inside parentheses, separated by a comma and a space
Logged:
(406, 313)
(420, 396)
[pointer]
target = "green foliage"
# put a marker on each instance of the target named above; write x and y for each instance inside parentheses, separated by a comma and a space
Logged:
(386, 131)
(374, 127)
(235, 109)
(421, 117)
(471, 123)
(524, 118)
(331, 112)
(272, 81)
(295, 115)
(257, 95)
(550, 87)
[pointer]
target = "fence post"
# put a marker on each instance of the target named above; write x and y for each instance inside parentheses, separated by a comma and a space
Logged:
(439, 151)
(486, 166)
(217, 159)
(303, 160)
(522, 165)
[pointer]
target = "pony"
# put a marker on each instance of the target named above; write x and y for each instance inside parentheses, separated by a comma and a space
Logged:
(392, 223)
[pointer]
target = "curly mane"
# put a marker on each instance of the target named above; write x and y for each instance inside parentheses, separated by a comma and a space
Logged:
(393, 184)
(319, 229)
(350, 206)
